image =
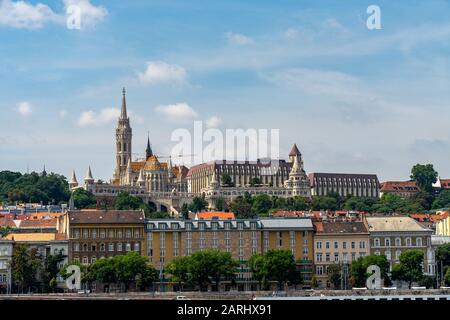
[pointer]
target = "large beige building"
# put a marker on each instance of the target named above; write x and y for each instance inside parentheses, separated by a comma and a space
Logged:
(390, 236)
(168, 239)
(338, 242)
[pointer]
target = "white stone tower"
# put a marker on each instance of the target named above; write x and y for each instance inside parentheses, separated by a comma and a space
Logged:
(123, 142)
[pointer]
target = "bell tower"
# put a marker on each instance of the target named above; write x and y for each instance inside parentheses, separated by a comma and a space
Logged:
(123, 142)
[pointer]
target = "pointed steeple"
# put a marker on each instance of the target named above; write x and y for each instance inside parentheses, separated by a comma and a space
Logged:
(44, 173)
(73, 180)
(89, 178)
(294, 151)
(123, 111)
(148, 151)
(140, 179)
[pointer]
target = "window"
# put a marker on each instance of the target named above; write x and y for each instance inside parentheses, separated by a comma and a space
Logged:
(362, 244)
(85, 234)
(136, 247)
(76, 247)
(240, 226)
(76, 234)
(111, 233)
(353, 256)
(111, 247)
(344, 245)
(201, 226)
(398, 242)
(94, 234)
(319, 270)
(119, 234)
(85, 247)
(345, 256)
(377, 253)
(376, 242)
(408, 242)
(336, 245)
(102, 247)
(353, 244)
(397, 255)
(136, 234)
(128, 247)
(319, 245)
(418, 242)
(279, 239)
(119, 246)
(387, 242)
(327, 245)
(188, 226)
(128, 233)
(327, 257)
(93, 247)
(85, 260)
(318, 257)
(336, 257)
(93, 259)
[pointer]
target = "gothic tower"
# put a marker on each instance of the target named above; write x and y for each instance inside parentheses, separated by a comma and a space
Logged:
(123, 142)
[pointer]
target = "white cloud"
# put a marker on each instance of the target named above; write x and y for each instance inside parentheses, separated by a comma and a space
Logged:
(92, 118)
(162, 72)
(213, 122)
(178, 111)
(24, 15)
(24, 108)
(237, 38)
(90, 14)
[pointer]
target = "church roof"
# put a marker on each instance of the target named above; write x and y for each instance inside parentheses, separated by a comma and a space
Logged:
(294, 151)
(153, 163)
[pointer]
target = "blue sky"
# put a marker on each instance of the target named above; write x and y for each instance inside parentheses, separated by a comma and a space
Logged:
(354, 100)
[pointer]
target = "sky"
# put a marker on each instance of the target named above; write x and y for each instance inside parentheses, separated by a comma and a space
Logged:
(354, 100)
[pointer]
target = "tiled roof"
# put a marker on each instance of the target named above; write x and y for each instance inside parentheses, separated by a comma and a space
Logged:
(405, 186)
(215, 215)
(341, 227)
(287, 223)
(106, 216)
(294, 150)
(445, 183)
(7, 222)
(42, 223)
(394, 224)
(314, 175)
(288, 213)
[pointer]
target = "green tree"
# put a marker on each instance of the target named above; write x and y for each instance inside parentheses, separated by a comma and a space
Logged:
(185, 211)
(226, 180)
(442, 200)
(133, 267)
(211, 265)
(25, 267)
(424, 175)
(275, 265)
(255, 182)
(334, 275)
(178, 268)
(410, 267)
(262, 203)
(220, 204)
(324, 203)
(125, 201)
(104, 271)
(447, 277)
(359, 204)
(4, 231)
(198, 204)
(241, 208)
(51, 270)
(442, 254)
(358, 270)
(83, 199)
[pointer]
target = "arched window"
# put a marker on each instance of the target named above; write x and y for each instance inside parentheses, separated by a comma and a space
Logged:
(398, 242)
(376, 242)
(388, 254)
(93, 259)
(85, 247)
(418, 241)
(408, 242)
(85, 260)
(397, 254)
(387, 242)
(102, 247)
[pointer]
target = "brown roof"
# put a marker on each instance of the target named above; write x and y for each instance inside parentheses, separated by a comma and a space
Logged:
(106, 216)
(340, 227)
(7, 222)
(445, 183)
(41, 223)
(294, 150)
(314, 175)
(409, 186)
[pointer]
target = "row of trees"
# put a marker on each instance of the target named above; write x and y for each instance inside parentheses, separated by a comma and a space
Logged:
(409, 269)
(30, 271)
(33, 187)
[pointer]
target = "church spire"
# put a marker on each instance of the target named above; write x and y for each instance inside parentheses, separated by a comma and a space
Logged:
(123, 112)
(148, 151)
